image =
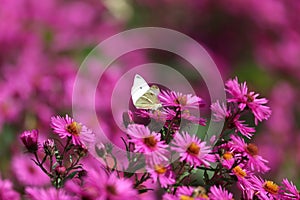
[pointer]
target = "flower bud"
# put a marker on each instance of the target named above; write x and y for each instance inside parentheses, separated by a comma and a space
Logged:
(81, 151)
(60, 170)
(49, 147)
(100, 150)
(30, 140)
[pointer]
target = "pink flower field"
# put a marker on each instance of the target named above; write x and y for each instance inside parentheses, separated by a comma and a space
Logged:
(149, 100)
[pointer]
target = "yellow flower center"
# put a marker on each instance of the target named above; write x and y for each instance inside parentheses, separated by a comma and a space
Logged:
(239, 172)
(252, 149)
(203, 196)
(271, 187)
(227, 156)
(74, 128)
(193, 149)
(150, 141)
(184, 197)
(160, 169)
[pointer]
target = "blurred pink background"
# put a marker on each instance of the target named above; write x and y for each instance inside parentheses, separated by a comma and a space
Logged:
(42, 44)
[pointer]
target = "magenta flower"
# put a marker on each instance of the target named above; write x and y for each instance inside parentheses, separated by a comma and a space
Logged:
(265, 190)
(240, 95)
(227, 159)
(185, 116)
(238, 92)
(156, 115)
(48, 194)
(192, 150)
(291, 192)
(176, 99)
(218, 193)
(255, 161)
(168, 196)
(185, 192)
(27, 171)
(139, 117)
(161, 172)
(30, 140)
(100, 186)
(157, 119)
(243, 180)
(67, 127)
(148, 143)
(7, 192)
(242, 128)
(260, 111)
(219, 111)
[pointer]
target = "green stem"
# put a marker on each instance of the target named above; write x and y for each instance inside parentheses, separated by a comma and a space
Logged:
(41, 165)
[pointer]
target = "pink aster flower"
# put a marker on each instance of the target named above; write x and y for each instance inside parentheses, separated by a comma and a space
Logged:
(291, 192)
(265, 190)
(192, 150)
(30, 140)
(238, 92)
(168, 196)
(48, 194)
(157, 119)
(255, 161)
(186, 192)
(67, 127)
(7, 192)
(161, 172)
(218, 193)
(101, 186)
(26, 171)
(260, 111)
(138, 117)
(185, 116)
(148, 143)
(240, 95)
(243, 180)
(156, 115)
(242, 128)
(219, 111)
(227, 159)
(177, 99)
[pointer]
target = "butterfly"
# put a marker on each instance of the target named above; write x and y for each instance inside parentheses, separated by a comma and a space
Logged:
(144, 96)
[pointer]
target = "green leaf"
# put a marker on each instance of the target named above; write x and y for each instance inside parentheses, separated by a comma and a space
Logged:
(71, 175)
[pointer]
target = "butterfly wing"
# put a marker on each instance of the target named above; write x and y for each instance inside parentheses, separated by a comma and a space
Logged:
(139, 88)
(149, 100)
(155, 89)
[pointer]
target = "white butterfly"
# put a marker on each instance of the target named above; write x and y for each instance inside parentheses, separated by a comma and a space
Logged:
(144, 96)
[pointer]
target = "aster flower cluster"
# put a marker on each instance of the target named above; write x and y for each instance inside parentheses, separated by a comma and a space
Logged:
(190, 168)
(59, 160)
(166, 159)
